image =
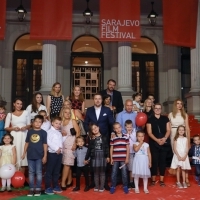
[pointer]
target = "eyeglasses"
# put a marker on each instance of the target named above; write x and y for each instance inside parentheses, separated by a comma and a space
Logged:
(157, 108)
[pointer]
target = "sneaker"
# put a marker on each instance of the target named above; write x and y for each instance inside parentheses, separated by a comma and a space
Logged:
(37, 193)
(57, 189)
(96, 190)
(76, 189)
(31, 193)
(49, 191)
(196, 178)
(184, 185)
(125, 188)
(112, 190)
(3, 189)
(9, 189)
(107, 187)
(102, 190)
(179, 185)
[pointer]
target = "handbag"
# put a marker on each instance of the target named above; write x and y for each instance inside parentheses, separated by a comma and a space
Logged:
(80, 124)
(73, 131)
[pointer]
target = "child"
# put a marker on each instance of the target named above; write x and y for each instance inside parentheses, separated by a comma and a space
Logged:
(119, 154)
(2, 119)
(98, 152)
(180, 159)
(8, 156)
(54, 157)
(142, 162)
(131, 135)
(36, 148)
(46, 125)
(195, 154)
(137, 105)
(80, 153)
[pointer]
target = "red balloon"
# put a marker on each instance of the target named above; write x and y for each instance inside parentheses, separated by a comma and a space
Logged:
(141, 119)
(18, 179)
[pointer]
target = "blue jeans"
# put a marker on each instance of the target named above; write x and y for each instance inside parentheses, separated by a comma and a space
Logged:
(35, 168)
(197, 169)
(53, 167)
(115, 169)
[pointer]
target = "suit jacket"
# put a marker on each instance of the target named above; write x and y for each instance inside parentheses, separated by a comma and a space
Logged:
(104, 122)
(116, 99)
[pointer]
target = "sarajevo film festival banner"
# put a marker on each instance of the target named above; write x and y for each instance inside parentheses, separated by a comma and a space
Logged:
(180, 22)
(2, 18)
(119, 20)
(51, 19)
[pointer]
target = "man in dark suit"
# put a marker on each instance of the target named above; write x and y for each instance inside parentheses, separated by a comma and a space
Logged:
(103, 117)
(116, 97)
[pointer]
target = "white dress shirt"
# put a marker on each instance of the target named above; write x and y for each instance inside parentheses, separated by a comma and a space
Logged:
(54, 140)
(97, 111)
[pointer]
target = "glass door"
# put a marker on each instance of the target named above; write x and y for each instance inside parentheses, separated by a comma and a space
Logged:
(27, 75)
(145, 74)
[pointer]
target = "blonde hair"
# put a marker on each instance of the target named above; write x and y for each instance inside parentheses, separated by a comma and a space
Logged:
(145, 104)
(81, 97)
(177, 133)
(174, 110)
(62, 113)
(52, 89)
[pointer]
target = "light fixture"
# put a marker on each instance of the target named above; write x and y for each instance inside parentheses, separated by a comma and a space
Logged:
(87, 14)
(152, 16)
(86, 62)
(87, 44)
(21, 12)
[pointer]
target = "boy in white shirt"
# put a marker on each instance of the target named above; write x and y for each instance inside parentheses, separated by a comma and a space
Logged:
(46, 125)
(54, 157)
(131, 135)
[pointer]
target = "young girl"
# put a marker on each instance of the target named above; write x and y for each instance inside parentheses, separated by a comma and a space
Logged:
(8, 156)
(180, 159)
(2, 119)
(137, 105)
(98, 152)
(142, 162)
(77, 102)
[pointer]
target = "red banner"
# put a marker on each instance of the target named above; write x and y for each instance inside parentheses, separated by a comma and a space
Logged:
(180, 22)
(51, 20)
(119, 20)
(2, 18)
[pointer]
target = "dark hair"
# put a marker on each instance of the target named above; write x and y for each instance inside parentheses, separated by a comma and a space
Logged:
(90, 128)
(42, 111)
(3, 107)
(40, 117)
(17, 99)
(56, 118)
(105, 97)
(140, 131)
(7, 134)
(136, 94)
(128, 122)
(80, 137)
(195, 136)
(157, 104)
(97, 94)
(177, 132)
(116, 123)
(150, 95)
(34, 102)
(111, 80)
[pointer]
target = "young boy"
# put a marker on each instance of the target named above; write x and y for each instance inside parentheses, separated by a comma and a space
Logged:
(36, 148)
(54, 157)
(195, 154)
(119, 154)
(131, 135)
(80, 154)
(46, 125)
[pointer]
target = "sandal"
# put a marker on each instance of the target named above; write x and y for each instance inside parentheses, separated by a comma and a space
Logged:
(188, 183)
(146, 191)
(162, 184)
(153, 183)
(137, 191)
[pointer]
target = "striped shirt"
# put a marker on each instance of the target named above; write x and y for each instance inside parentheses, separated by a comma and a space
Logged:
(119, 148)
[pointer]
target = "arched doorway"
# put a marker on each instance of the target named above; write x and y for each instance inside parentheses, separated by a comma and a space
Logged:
(27, 68)
(87, 66)
(145, 67)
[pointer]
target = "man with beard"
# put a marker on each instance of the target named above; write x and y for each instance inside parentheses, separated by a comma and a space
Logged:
(116, 97)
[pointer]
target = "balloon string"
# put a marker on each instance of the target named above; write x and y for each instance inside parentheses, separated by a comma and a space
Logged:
(18, 163)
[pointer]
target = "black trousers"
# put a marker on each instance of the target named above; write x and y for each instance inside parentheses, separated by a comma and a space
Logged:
(85, 171)
(159, 156)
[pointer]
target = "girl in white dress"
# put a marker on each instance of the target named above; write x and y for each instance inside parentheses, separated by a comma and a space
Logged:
(17, 123)
(142, 162)
(180, 159)
(8, 156)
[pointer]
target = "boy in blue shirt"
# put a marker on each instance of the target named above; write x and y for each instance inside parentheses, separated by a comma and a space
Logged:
(36, 148)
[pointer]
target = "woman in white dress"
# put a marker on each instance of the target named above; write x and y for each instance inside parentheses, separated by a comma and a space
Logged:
(36, 105)
(178, 117)
(17, 123)
(180, 159)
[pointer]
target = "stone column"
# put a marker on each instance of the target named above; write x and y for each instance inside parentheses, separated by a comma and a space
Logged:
(48, 66)
(171, 60)
(125, 69)
(114, 62)
(193, 98)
